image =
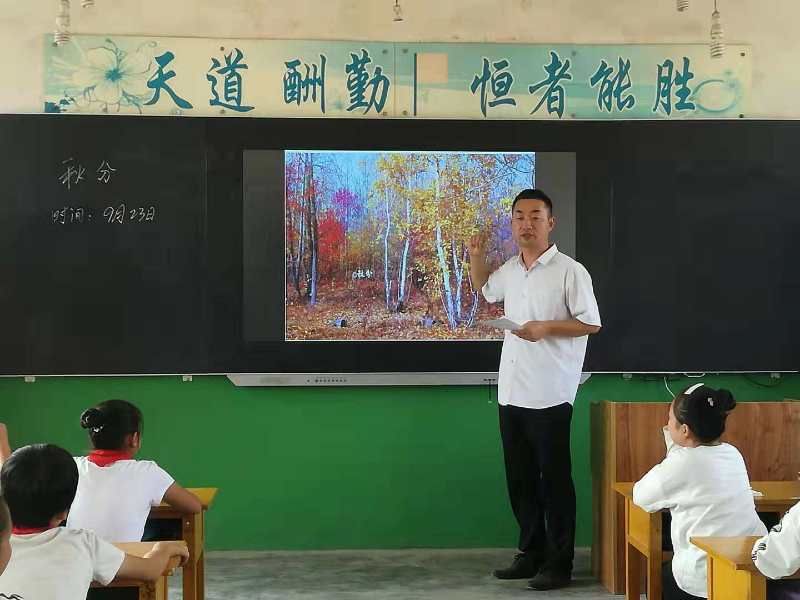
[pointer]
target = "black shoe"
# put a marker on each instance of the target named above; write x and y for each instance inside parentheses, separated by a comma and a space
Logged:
(550, 580)
(525, 565)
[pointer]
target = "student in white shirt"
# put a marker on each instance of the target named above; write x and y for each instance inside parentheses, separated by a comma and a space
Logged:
(704, 484)
(115, 491)
(5, 535)
(57, 563)
(777, 555)
(5, 516)
(551, 296)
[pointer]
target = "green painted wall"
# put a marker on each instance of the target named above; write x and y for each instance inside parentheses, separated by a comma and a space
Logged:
(320, 468)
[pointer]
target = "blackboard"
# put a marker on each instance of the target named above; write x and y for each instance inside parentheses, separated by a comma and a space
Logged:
(702, 263)
(688, 229)
(102, 234)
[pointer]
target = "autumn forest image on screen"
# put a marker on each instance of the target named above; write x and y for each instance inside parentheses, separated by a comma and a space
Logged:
(376, 242)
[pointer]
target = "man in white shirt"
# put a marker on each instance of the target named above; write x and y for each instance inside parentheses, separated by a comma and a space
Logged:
(540, 368)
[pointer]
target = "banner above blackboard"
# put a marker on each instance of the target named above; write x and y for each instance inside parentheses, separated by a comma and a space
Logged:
(277, 78)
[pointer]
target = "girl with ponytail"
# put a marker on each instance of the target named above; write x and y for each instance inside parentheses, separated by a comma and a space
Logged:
(703, 482)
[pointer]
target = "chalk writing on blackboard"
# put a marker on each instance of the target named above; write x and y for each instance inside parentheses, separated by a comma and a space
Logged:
(74, 172)
(122, 214)
(72, 215)
(104, 172)
(112, 215)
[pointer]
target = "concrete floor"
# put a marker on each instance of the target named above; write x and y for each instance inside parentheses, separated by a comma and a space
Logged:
(376, 575)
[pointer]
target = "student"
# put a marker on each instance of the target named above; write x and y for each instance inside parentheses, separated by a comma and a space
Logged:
(5, 517)
(39, 483)
(704, 484)
(777, 555)
(116, 492)
(5, 535)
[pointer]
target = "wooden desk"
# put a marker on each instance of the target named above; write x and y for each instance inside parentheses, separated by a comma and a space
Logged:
(731, 572)
(626, 441)
(643, 532)
(193, 532)
(148, 590)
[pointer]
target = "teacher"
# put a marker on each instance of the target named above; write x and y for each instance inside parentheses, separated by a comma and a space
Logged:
(551, 296)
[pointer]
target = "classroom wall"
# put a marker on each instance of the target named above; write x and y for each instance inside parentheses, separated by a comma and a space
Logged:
(319, 468)
(355, 467)
(770, 28)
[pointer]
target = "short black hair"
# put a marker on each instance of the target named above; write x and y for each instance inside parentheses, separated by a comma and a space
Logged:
(5, 516)
(38, 482)
(110, 422)
(704, 411)
(533, 194)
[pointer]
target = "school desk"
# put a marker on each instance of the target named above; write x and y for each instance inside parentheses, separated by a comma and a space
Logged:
(147, 590)
(193, 532)
(731, 572)
(643, 532)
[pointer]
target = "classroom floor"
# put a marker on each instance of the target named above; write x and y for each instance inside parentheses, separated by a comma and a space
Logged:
(376, 575)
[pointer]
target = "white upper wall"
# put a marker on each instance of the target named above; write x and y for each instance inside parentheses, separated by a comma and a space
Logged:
(770, 27)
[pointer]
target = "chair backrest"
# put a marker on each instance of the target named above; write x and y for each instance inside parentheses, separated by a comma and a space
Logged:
(766, 433)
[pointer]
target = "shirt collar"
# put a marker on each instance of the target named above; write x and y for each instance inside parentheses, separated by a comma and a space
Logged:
(543, 259)
(29, 530)
(105, 458)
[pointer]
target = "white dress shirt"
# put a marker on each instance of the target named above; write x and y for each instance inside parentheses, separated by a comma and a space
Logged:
(556, 288)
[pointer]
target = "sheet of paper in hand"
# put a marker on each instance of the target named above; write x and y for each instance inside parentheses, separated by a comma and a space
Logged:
(503, 323)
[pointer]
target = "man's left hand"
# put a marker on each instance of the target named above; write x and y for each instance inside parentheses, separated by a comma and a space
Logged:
(532, 331)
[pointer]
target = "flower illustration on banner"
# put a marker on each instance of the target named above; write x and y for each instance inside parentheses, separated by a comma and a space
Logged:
(109, 78)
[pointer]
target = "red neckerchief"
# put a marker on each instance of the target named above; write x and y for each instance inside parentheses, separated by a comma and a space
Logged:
(104, 458)
(28, 530)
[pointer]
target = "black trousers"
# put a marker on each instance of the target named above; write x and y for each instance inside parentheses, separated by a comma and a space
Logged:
(539, 478)
(669, 587)
(112, 594)
(162, 529)
(783, 589)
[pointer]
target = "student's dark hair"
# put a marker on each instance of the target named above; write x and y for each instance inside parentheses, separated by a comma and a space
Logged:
(704, 411)
(110, 422)
(5, 516)
(38, 482)
(533, 194)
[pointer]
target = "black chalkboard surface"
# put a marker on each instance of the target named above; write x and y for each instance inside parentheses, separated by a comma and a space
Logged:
(102, 237)
(703, 264)
(121, 242)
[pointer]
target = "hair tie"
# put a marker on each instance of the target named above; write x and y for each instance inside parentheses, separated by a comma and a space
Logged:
(97, 429)
(693, 388)
(710, 401)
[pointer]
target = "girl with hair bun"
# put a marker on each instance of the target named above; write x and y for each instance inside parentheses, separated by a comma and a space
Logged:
(704, 484)
(116, 491)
